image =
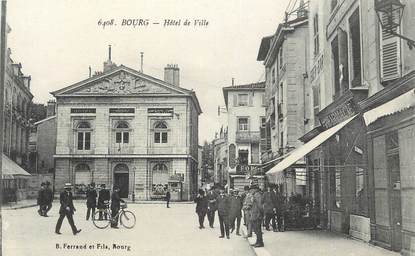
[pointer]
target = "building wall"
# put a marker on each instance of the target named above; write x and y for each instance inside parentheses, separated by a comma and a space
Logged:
(254, 112)
(46, 136)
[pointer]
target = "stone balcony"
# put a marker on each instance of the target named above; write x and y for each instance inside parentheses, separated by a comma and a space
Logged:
(248, 136)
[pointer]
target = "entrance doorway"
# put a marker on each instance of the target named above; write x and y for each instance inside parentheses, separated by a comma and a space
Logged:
(395, 201)
(121, 179)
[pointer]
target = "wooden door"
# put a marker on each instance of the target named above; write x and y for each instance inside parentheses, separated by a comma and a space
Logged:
(395, 201)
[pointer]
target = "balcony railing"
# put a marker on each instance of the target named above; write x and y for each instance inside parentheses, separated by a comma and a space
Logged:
(248, 136)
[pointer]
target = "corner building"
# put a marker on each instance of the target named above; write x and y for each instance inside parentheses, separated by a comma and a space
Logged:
(122, 127)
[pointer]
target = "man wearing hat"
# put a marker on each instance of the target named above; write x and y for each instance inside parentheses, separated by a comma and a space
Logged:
(212, 205)
(41, 199)
(115, 205)
(103, 198)
(223, 212)
(66, 210)
(235, 211)
(48, 198)
(257, 213)
(91, 200)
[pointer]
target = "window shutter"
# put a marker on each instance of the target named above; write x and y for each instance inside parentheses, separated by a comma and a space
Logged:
(389, 55)
(343, 59)
(250, 98)
(235, 100)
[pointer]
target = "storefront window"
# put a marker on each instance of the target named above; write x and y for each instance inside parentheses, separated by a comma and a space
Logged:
(338, 188)
(361, 205)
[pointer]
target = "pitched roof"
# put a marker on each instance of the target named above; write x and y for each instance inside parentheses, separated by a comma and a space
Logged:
(66, 91)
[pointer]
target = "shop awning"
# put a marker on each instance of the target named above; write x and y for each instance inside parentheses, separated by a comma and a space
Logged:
(400, 103)
(11, 170)
(305, 149)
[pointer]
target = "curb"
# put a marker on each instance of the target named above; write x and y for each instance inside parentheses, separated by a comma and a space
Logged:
(6, 207)
(262, 251)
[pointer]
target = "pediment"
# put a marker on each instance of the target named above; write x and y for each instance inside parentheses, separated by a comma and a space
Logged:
(122, 82)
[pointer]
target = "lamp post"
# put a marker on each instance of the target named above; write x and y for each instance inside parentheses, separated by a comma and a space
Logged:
(390, 14)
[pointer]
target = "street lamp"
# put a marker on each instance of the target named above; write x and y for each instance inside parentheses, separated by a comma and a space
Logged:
(390, 14)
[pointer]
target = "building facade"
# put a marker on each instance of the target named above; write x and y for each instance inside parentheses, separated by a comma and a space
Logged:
(220, 157)
(361, 77)
(16, 127)
(285, 57)
(122, 127)
(245, 106)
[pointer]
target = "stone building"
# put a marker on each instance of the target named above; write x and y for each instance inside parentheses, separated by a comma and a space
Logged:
(220, 157)
(245, 106)
(359, 152)
(17, 97)
(288, 98)
(41, 154)
(123, 127)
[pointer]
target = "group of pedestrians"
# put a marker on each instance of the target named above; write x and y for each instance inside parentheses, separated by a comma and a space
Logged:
(94, 200)
(259, 208)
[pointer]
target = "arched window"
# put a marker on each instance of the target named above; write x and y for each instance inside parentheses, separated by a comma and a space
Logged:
(160, 167)
(160, 132)
(160, 179)
(122, 133)
(84, 136)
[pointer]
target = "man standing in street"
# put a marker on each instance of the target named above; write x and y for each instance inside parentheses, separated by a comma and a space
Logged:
(168, 196)
(223, 212)
(246, 207)
(48, 198)
(91, 200)
(41, 199)
(235, 211)
(103, 200)
(212, 206)
(201, 207)
(66, 210)
(115, 206)
(257, 214)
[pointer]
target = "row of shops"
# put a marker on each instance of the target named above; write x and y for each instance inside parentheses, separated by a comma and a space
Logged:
(358, 166)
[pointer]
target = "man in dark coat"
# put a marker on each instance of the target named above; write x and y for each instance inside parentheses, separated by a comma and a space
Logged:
(104, 196)
(168, 196)
(41, 199)
(48, 198)
(66, 210)
(257, 215)
(235, 211)
(212, 206)
(223, 212)
(201, 207)
(91, 200)
(269, 200)
(115, 206)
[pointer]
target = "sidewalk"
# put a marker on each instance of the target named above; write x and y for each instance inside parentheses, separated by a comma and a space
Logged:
(19, 204)
(32, 202)
(314, 243)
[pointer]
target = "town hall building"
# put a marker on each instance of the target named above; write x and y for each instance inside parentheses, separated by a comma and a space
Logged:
(122, 127)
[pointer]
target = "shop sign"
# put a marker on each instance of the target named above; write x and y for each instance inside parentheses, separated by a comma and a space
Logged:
(340, 114)
(122, 110)
(83, 110)
(160, 111)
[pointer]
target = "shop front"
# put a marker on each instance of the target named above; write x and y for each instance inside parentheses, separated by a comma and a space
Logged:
(390, 119)
(14, 181)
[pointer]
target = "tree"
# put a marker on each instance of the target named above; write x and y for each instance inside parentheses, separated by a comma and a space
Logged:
(37, 111)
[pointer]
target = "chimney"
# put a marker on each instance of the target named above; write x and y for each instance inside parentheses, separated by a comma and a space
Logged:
(172, 74)
(108, 65)
(142, 61)
(50, 108)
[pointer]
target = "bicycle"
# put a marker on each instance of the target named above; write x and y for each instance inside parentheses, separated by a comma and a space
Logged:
(127, 218)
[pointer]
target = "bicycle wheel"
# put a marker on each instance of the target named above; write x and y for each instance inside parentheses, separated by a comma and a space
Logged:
(101, 223)
(127, 219)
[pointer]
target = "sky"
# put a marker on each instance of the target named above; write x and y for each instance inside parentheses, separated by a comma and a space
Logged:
(57, 40)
